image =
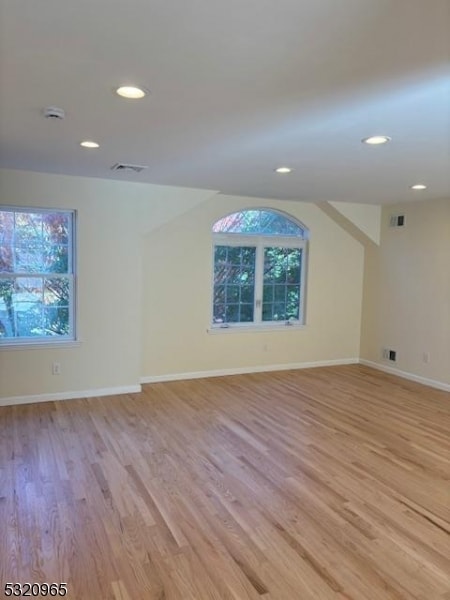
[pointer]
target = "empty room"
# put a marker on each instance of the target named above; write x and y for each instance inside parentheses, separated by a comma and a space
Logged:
(225, 299)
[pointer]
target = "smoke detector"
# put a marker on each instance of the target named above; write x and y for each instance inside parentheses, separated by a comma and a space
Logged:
(128, 167)
(54, 113)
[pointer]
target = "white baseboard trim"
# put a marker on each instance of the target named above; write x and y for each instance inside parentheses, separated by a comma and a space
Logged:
(126, 389)
(246, 370)
(440, 385)
(134, 389)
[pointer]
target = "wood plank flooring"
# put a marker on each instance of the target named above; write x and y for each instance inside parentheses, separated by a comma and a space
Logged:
(327, 484)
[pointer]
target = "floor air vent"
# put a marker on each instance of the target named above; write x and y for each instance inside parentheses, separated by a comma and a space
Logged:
(127, 168)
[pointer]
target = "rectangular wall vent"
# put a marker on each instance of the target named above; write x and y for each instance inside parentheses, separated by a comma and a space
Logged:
(128, 167)
(397, 221)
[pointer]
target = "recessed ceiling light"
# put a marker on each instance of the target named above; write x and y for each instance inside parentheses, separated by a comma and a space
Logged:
(419, 186)
(131, 91)
(89, 144)
(283, 170)
(375, 140)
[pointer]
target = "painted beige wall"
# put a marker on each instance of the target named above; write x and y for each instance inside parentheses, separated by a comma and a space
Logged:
(109, 215)
(156, 241)
(367, 217)
(407, 291)
(177, 297)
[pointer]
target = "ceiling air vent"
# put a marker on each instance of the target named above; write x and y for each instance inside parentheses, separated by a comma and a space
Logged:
(127, 168)
(397, 221)
(54, 113)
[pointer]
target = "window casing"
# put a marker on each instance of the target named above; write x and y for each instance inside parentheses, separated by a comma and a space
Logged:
(259, 279)
(37, 276)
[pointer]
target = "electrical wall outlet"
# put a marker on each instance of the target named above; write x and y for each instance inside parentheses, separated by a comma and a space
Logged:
(426, 357)
(56, 368)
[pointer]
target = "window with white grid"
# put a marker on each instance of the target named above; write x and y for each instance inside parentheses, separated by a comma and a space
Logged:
(37, 270)
(259, 270)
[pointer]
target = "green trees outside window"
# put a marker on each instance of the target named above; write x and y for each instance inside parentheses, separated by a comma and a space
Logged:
(36, 275)
(259, 258)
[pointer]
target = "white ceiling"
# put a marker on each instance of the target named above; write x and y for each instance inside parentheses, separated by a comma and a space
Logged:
(238, 87)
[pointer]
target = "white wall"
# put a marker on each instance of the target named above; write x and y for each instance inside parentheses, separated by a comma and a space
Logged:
(407, 291)
(144, 266)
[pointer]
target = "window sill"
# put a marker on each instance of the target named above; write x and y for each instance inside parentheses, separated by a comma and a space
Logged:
(43, 345)
(254, 328)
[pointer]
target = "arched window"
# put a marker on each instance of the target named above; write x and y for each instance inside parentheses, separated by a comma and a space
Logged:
(259, 269)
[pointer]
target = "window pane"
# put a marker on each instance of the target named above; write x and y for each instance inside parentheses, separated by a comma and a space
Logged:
(55, 228)
(294, 265)
(267, 311)
(279, 311)
(220, 253)
(56, 259)
(6, 236)
(246, 315)
(293, 302)
(275, 265)
(219, 313)
(21, 307)
(28, 258)
(34, 307)
(219, 294)
(248, 294)
(259, 222)
(234, 276)
(280, 293)
(7, 313)
(32, 244)
(232, 313)
(268, 293)
(57, 291)
(56, 320)
(248, 256)
(234, 255)
(233, 293)
(28, 229)
(281, 284)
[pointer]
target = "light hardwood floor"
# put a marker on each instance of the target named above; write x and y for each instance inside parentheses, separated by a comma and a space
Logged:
(327, 484)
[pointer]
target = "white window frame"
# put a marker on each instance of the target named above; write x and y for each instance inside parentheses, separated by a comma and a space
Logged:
(58, 340)
(260, 242)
